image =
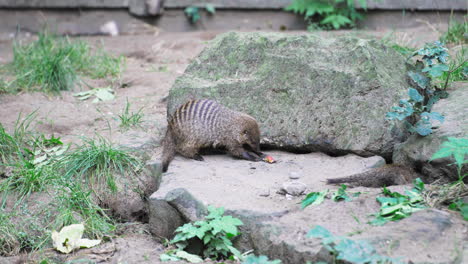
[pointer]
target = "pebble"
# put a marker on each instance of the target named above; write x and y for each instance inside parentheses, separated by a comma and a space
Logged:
(294, 188)
(264, 193)
(294, 175)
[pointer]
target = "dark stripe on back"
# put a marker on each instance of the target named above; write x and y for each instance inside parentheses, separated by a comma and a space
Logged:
(193, 111)
(213, 113)
(202, 109)
(207, 110)
(185, 111)
(179, 114)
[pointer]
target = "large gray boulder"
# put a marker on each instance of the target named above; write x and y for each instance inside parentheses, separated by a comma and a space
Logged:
(308, 93)
(417, 150)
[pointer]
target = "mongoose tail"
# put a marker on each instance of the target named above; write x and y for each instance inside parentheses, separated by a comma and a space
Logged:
(168, 149)
(380, 177)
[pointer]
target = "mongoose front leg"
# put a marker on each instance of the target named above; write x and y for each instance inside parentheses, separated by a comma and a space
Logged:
(198, 157)
(241, 153)
(190, 152)
(250, 156)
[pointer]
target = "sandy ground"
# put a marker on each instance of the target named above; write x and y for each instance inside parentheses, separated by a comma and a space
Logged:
(147, 83)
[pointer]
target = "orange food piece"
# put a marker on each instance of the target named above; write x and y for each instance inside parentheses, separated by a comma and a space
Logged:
(269, 159)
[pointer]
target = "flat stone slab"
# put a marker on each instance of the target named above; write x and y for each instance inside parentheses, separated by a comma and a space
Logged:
(221, 180)
(275, 225)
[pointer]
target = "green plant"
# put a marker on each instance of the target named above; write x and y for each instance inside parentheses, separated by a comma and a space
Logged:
(395, 206)
(75, 205)
(458, 149)
(458, 67)
(345, 249)
(132, 119)
(193, 12)
(9, 244)
(457, 32)
(451, 193)
(315, 198)
(461, 206)
(341, 194)
(216, 232)
(252, 259)
(330, 13)
(95, 161)
(416, 111)
(38, 165)
(53, 64)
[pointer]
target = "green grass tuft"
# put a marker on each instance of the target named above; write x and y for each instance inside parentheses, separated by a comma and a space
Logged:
(96, 161)
(128, 120)
(457, 33)
(53, 64)
(458, 67)
(39, 197)
(75, 205)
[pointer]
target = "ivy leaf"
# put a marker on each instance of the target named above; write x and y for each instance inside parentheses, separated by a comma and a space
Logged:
(419, 79)
(210, 8)
(252, 259)
(214, 212)
(168, 257)
(433, 116)
(188, 257)
(227, 224)
(192, 13)
(320, 232)
(415, 95)
(354, 251)
(422, 127)
(432, 100)
(436, 70)
(401, 112)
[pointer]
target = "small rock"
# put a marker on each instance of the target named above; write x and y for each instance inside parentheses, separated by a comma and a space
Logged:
(294, 175)
(374, 162)
(294, 188)
(109, 28)
(264, 193)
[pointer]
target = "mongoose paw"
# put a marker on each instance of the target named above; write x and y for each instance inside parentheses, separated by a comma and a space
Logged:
(198, 157)
(250, 156)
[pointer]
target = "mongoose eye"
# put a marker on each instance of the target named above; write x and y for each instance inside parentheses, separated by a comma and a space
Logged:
(245, 132)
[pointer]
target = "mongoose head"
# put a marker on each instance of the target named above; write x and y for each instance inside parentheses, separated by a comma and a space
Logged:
(250, 133)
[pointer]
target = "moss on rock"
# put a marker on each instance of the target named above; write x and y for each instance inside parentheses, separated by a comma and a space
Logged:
(307, 92)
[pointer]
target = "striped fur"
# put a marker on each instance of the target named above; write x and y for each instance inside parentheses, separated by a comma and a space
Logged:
(205, 123)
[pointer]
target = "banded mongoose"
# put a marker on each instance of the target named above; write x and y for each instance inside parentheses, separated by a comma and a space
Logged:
(385, 176)
(205, 123)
